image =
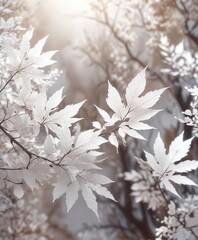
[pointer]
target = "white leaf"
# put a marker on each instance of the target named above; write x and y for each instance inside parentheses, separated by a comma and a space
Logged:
(152, 161)
(30, 178)
(62, 117)
(90, 198)
(61, 185)
(26, 61)
(89, 140)
(141, 114)
(65, 138)
(179, 148)
(122, 135)
(34, 174)
(182, 180)
(96, 125)
(102, 191)
(18, 191)
(135, 88)
(185, 166)
(97, 178)
(72, 194)
(48, 146)
(113, 140)
(114, 101)
(141, 126)
(169, 186)
(135, 109)
(164, 164)
(38, 108)
(54, 100)
(37, 50)
(104, 114)
(187, 112)
(160, 152)
(25, 42)
(149, 99)
(132, 132)
(45, 59)
(179, 48)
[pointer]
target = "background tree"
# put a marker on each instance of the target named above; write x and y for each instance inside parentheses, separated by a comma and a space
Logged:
(134, 34)
(42, 140)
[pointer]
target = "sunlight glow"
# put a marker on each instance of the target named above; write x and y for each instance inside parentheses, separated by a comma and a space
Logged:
(74, 6)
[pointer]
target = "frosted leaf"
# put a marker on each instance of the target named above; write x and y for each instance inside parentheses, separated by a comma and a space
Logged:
(18, 191)
(129, 113)
(27, 61)
(164, 165)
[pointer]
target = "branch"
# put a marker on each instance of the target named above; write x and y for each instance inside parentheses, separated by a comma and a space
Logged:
(29, 153)
(176, 214)
(11, 78)
(127, 209)
(107, 23)
(12, 139)
(186, 14)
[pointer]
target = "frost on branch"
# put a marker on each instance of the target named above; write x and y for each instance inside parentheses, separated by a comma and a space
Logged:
(168, 167)
(143, 188)
(129, 113)
(181, 221)
(22, 219)
(181, 62)
(191, 114)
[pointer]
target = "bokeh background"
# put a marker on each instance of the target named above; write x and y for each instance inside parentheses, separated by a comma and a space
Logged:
(113, 40)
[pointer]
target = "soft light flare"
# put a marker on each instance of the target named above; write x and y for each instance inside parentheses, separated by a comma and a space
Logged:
(74, 6)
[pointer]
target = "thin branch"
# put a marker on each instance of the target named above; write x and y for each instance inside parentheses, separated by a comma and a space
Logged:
(29, 153)
(13, 140)
(176, 214)
(11, 78)
(9, 180)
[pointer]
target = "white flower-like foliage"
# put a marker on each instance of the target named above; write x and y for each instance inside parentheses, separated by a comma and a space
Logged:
(72, 159)
(39, 144)
(143, 188)
(79, 167)
(168, 167)
(180, 222)
(191, 115)
(23, 219)
(129, 113)
(181, 62)
(27, 61)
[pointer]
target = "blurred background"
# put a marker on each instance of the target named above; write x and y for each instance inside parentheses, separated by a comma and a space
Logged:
(113, 40)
